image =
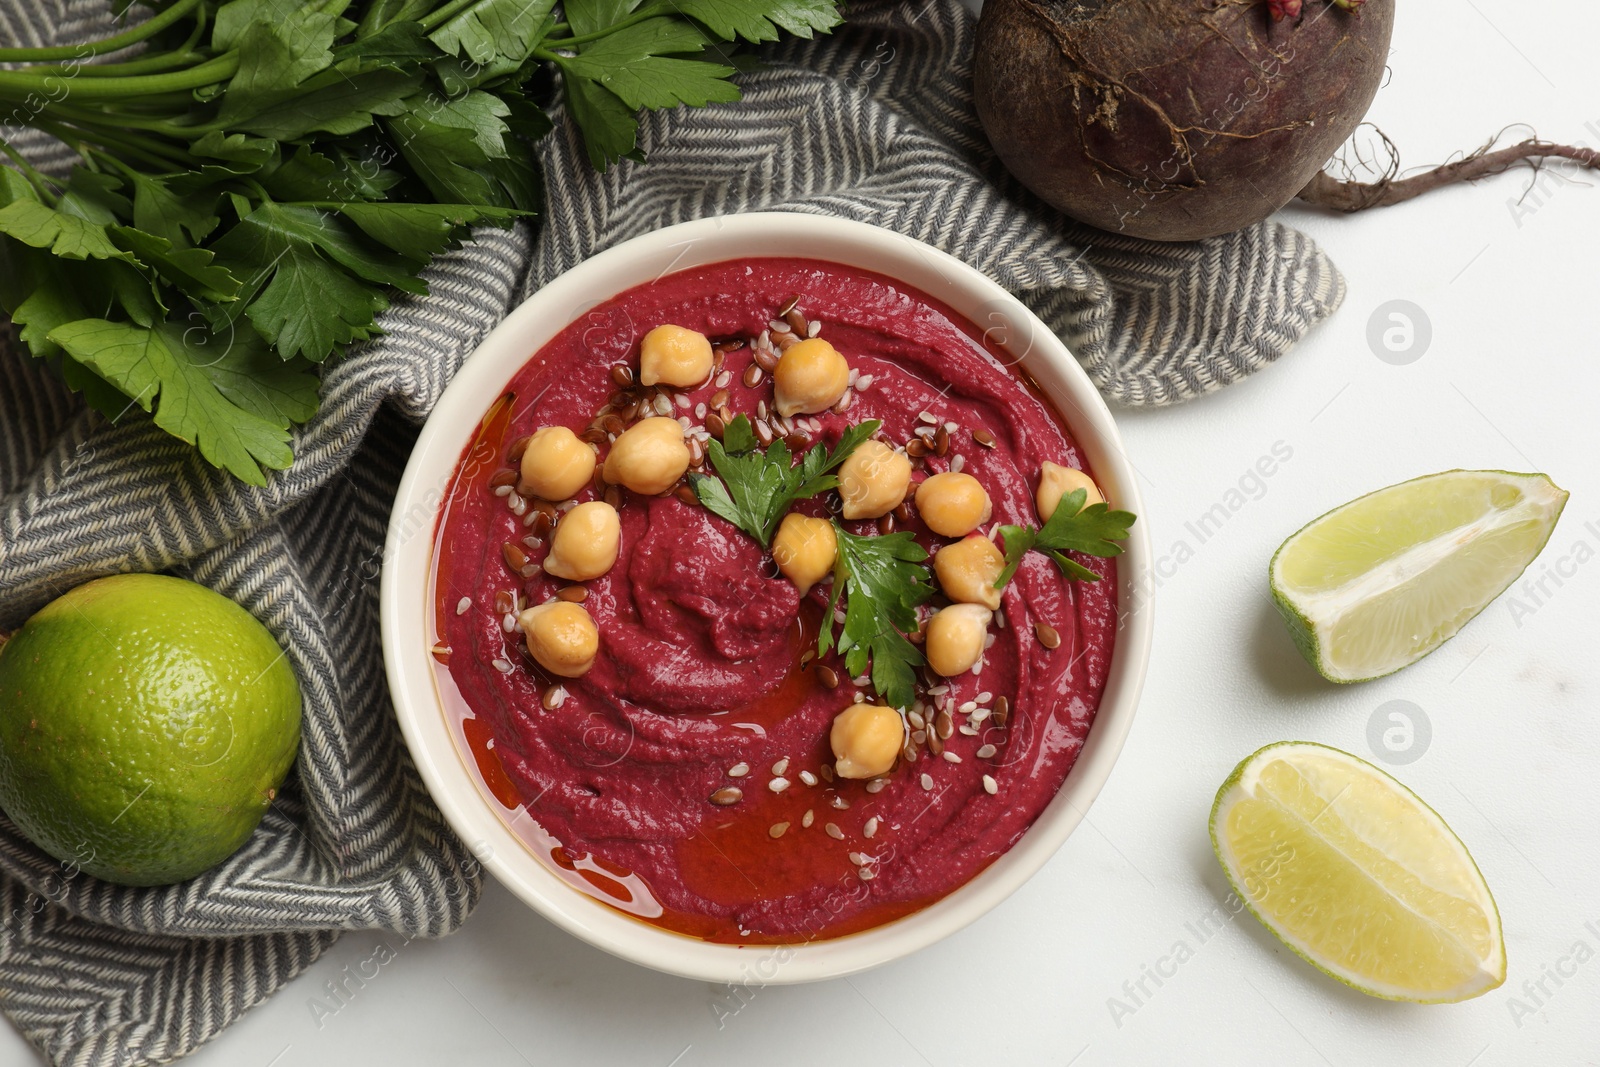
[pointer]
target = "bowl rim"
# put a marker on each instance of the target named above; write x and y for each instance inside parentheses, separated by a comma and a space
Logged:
(407, 561)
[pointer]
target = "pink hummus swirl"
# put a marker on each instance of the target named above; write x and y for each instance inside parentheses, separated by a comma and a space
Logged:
(700, 673)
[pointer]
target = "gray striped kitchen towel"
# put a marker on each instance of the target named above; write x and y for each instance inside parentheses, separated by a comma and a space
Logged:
(874, 123)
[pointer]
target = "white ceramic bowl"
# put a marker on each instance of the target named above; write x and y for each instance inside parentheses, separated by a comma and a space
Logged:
(408, 562)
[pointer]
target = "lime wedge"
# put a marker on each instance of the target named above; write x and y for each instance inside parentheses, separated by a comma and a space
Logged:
(1351, 870)
(1380, 582)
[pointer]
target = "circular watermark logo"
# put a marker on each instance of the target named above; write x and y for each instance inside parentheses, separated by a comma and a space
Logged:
(1009, 336)
(1399, 332)
(1398, 732)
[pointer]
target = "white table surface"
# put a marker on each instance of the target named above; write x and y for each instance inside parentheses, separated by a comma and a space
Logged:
(1510, 380)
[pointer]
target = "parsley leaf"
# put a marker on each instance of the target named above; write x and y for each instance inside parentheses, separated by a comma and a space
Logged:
(633, 63)
(760, 22)
(231, 398)
(757, 487)
(883, 580)
(494, 29)
(1092, 530)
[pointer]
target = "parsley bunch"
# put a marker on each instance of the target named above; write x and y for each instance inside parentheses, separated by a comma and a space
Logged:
(1093, 530)
(258, 178)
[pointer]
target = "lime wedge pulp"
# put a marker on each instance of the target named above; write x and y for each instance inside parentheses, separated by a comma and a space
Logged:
(1378, 583)
(1356, 874)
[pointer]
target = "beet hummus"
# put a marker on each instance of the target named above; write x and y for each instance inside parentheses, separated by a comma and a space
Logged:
(687, 777)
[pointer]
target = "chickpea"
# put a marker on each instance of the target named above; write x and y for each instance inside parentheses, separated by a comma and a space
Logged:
(873, 481)
(672, 355)
(804, 550)
(649, 457)
(556, 464)
(953, 504)
(561, 637)
(810, 377)
(585, 543)
(866, 738)
(1056, 481)
(955, 638)
(967, 571)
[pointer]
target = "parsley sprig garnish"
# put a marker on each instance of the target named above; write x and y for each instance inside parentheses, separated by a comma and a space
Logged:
(883, 580)
(757, 488)
(260, 179)
(1092, 530)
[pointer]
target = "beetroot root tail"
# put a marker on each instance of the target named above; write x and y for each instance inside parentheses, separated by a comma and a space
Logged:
(1350, 195)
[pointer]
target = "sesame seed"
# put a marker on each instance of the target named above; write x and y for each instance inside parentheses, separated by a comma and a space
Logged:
(980, 714)
(988, 641)
(700, 410)
(956, 463)
(502, 490)
(856, 858)
(778, 785)
(834, 832)
(808, 818)
(661, 404)
(683, 401)
(977, 668)
(916, 720)
(813, 328)
(968, 731)
(683, 420)
(986, 751)
(777, 830)
(984, 697)
(951, 756)
(808, 778)
(989, 785)
(927, 418)
(855, 376)
(1000, 616)
(865, 873)
(463, 604)
(502, 666)
(968, 707)
(951, 427)
(864, 382)
(781, 767)
(738, 770)
(871, 828)
(876, 785)
(779, 326)
(861, 682)
(939, 690)
(724, 378)
(919, 736)
(508, 622)
(927, 781)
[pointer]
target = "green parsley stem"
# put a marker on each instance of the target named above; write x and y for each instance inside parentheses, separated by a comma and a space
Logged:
(40, 182)
(649, 11)
(133, 35)
(15, 83)
(119, 120)
(155, 154)
(446, 13)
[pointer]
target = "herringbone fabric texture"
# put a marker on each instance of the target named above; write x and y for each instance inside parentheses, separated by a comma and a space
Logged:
(875, 123)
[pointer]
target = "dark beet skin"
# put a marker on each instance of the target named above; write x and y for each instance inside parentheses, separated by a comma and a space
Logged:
(1173, 119)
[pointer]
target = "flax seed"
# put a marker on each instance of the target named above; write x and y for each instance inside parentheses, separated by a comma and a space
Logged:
(983, 437)
(941, 442)
(1047, 635)
(797, 322)
(622, 374)
(1002, 710)
(752, 376)
(574, 594)
(502, 478)
(515, 556)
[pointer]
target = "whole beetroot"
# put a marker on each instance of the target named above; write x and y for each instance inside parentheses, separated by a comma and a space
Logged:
(1175, 119)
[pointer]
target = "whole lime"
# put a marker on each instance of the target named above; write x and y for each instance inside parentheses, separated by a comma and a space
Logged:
(146, 723)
